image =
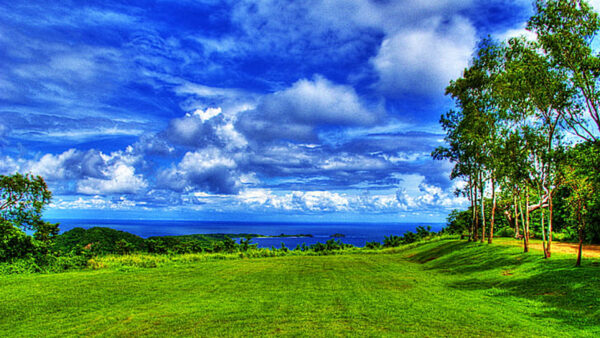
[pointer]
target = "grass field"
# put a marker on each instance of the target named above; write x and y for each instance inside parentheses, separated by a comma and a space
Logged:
(440, 288)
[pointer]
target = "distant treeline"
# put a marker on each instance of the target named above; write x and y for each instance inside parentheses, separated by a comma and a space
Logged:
(103, 241)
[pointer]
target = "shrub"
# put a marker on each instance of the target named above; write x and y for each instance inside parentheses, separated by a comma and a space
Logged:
(505, 232)
(373, 245)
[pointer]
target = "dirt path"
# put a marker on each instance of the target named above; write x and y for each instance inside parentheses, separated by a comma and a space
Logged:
(590, 250)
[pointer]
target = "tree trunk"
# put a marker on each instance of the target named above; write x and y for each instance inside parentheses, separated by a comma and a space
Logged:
(544, 242)
(482, 186)
(549, 249)
(491, 237)
(579, 252)
(526, 229)
(476, 229)
(473, 210)
(516, 214)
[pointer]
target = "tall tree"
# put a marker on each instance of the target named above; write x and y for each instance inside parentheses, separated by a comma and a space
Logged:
(472, 131)
(536, 98)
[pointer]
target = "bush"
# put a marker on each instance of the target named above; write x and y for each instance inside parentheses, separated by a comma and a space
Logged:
(392, 241)
(373, 245)
(505, 232)
(19, 266)
(565, 236)
(15, 244)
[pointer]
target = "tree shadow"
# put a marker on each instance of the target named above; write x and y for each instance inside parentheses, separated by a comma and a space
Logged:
(466, 257)
(569, 294)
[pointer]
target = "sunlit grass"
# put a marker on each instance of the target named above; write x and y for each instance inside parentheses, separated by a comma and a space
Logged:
(433, 289)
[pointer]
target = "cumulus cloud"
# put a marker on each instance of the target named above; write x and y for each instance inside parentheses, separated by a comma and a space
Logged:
(206, 169)
(121, 179)
(71, 164)
(424, 60)
(89, 172)
(205, 127)
(295, 112)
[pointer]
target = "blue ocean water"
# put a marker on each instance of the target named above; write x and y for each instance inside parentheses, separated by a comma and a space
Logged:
(356, 234)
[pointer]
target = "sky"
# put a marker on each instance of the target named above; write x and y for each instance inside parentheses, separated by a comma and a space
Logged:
(317, 110)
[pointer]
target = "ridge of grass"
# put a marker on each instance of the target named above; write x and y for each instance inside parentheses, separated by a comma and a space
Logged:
(438, 288)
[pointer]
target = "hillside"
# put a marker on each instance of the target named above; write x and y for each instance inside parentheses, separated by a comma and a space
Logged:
(435, 288)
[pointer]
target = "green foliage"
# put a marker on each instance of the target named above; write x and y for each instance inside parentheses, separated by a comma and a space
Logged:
(505, 232)
(22, 200)
(15, 244)
(458, 222)
(407, 238)
(373, 245)
(97, 240)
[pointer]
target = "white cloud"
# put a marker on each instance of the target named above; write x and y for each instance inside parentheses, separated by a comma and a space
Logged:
(295, 112)
(206, 114)
(595, 4)
(208, 127)
(424, 60)
(121, 178)
(95, 203)
(187, 88)
(207, 169)
(416, 199)
(353, 163)
(319, 101)
(9, 165)
(71, 164)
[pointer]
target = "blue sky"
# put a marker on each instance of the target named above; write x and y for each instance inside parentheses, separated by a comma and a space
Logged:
(238, 110)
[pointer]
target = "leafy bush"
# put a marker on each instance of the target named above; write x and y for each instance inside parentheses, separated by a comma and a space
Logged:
(505, 232)
(19, 266)
(567, 235)
(373, 245)
(15, 244)
(392, 241)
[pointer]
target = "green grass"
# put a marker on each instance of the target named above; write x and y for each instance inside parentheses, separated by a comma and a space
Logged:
(441, 288)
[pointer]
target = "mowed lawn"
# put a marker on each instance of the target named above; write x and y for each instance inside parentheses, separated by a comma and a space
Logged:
(442, 288)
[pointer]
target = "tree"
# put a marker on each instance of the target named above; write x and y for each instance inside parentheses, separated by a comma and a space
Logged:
(22, 200)
(122, 247)
(536, 98)
(566, 30)
(581, 179)
(457, 222)
(472, 132)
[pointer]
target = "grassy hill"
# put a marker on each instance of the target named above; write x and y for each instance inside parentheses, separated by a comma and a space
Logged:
(434, 288)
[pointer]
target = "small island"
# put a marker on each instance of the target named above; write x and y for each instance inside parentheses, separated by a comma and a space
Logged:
(284, 235)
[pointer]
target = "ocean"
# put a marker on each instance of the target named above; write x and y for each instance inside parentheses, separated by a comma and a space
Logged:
(356, 234)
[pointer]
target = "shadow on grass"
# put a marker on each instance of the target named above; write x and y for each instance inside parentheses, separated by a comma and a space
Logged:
(463, 257)
(569, 294)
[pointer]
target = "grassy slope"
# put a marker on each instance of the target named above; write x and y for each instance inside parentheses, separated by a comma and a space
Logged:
(437, 288)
